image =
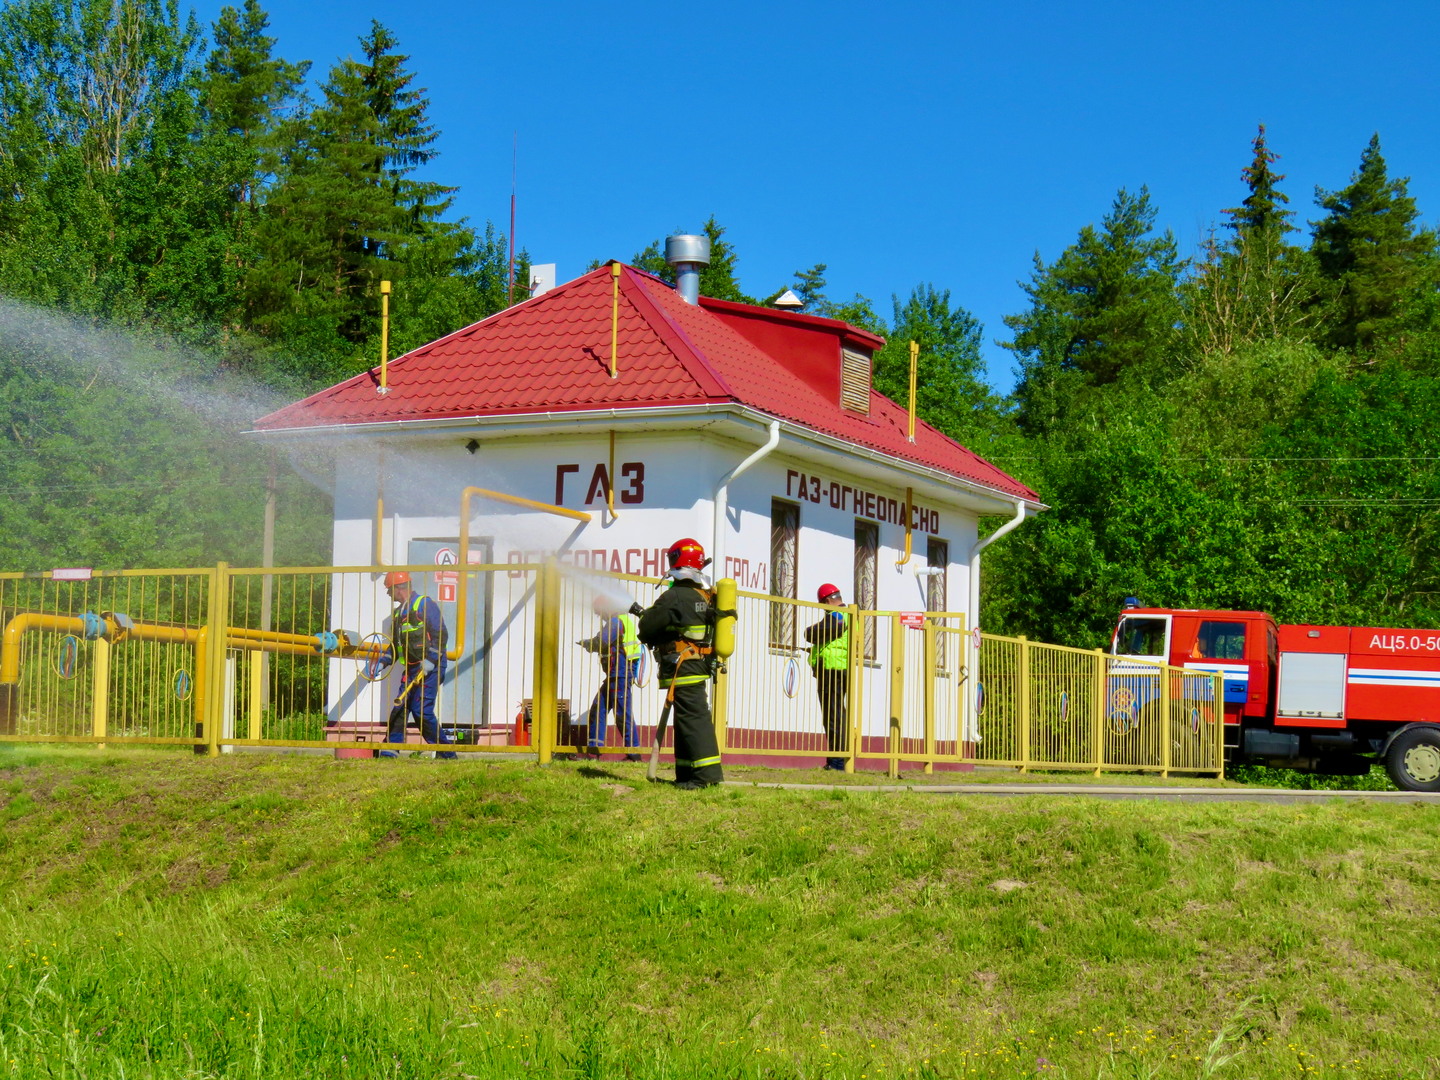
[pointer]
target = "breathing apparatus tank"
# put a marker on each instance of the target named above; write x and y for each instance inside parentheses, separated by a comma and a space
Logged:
(725, 624)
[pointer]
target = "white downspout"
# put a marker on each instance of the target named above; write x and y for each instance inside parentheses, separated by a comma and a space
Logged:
(722, 500)
(972, 651)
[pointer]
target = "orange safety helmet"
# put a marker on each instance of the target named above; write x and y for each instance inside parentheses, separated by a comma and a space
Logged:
(687, 552)
(396, 577)
(826, 591)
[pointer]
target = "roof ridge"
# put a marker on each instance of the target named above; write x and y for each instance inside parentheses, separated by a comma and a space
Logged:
(669, 330)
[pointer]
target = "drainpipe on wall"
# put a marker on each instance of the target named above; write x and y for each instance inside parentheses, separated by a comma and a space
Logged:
(972, 652)
(722, 498)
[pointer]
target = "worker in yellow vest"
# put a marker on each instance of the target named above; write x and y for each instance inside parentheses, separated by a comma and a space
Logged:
(618, 648)
(830, 664)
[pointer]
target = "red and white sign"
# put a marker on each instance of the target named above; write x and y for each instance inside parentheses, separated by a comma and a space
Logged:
(915, 620)
(446, 581)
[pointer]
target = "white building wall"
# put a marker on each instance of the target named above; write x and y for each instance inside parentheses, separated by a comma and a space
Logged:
(664, 484)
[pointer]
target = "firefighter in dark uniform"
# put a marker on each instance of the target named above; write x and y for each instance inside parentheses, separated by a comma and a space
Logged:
(421, 638)
(679, 627)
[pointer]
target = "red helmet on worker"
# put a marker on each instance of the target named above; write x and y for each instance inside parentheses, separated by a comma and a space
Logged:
(687, 553)
(826, 591)
(396, 577)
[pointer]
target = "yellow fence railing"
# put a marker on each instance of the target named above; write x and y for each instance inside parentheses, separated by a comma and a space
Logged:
(224, 658)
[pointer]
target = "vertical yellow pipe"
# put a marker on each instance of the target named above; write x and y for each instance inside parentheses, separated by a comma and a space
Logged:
(1217, 709)
(267, 583)
(1024, 704)
(610, 487)
(909, 516)
(202, 678)
(258, 687)
(721, 710)
(378, 554)
(1097, 723)
(384, 338)
(614, 318)
(914, 364)
(100, 691)
(897, 691)
(544, 699)
(929, 676)
(1165, 722)
(215, 661)
(852, 700)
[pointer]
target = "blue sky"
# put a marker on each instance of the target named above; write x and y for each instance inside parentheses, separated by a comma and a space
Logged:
(898, 143)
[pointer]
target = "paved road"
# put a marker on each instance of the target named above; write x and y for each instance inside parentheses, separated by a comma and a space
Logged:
(1098, 791)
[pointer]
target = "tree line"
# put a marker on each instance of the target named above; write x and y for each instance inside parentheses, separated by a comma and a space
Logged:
(1244, 425)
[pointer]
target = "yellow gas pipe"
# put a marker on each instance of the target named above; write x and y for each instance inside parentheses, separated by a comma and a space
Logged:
(610, 487)
(614, 316)
(909, 513)
(914, 365)
(384, 387)
(462, 594)
(241, 638)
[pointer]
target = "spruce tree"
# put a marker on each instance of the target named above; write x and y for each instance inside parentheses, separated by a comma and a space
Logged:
(1106, 306)
(1376, 258)
(1263, 210)
(345, 209)
(1254, 286)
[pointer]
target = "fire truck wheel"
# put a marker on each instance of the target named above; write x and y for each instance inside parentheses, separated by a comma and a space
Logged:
(1413, 759)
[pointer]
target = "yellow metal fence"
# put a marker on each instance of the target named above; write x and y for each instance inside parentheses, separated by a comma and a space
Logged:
(225, 658)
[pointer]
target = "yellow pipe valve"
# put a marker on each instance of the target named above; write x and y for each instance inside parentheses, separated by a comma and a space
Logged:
(725, 598)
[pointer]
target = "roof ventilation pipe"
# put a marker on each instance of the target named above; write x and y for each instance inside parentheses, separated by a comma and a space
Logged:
(687, 254)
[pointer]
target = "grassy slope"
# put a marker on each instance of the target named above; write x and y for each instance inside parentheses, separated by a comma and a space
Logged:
(261, 917)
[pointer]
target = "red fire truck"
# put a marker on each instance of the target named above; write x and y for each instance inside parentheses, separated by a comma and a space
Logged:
(1326, 699)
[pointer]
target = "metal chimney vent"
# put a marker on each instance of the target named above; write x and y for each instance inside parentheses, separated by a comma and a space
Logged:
(687, 254)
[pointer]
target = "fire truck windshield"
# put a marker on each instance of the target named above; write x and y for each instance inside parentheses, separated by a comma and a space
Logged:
(1140, 636)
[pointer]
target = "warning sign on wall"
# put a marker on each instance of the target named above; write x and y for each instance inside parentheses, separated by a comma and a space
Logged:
(445, 581)
(915, 620)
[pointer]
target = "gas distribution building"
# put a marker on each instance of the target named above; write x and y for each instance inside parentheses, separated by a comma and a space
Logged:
(663, 414)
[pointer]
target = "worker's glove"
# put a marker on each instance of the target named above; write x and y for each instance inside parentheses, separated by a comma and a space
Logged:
(636, 610)
(427, 666)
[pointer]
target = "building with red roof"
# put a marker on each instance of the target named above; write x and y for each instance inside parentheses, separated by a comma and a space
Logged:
(753, 429)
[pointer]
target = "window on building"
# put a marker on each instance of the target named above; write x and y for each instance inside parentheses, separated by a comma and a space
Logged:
(937, 557)
(855, 382)
(1220, 641)
(867, 561)
(784, 570)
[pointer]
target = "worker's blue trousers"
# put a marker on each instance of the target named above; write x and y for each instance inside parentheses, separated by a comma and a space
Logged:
(615, 694)
(420, 703)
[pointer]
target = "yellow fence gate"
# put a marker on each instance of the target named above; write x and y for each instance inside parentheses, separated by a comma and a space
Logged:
(222, 658)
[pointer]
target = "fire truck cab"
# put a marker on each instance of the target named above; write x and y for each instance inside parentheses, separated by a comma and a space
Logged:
(1329, 699)
(1241, 646)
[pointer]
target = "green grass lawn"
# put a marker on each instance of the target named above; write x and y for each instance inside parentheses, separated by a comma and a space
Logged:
(255, 916)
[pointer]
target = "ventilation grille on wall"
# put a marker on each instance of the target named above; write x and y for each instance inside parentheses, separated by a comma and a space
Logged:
(855, 382)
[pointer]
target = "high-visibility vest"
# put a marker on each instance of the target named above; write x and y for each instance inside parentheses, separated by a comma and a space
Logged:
(630, 636)
(833, 655)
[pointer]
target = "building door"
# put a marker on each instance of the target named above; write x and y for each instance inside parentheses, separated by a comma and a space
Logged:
(465, 694)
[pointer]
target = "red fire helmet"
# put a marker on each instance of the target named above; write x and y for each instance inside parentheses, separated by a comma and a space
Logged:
(826, 591)
(687, 552)
(396, 577)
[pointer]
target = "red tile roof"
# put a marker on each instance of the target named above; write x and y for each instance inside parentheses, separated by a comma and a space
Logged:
(552, 354)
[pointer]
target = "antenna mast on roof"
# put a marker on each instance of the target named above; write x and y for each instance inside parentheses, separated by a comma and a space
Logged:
(510, 278)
